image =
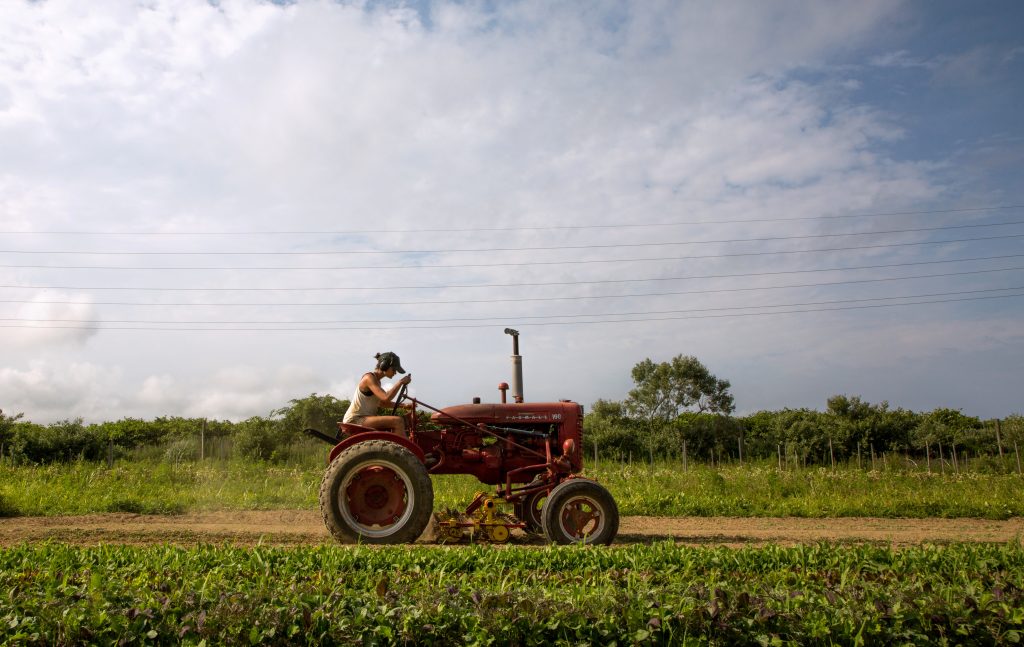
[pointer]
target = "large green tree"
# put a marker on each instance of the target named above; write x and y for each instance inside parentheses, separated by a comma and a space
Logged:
(319, 412)
(667, 389)
(7, 427)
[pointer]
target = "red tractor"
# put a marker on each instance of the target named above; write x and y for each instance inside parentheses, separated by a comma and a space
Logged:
(377, 487)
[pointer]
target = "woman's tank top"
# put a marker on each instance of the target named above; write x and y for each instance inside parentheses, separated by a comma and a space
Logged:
(362, 405)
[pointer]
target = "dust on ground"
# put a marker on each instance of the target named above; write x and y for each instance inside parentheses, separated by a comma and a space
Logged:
(306, 528)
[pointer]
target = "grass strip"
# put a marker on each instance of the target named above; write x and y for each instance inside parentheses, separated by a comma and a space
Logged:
(664, 489)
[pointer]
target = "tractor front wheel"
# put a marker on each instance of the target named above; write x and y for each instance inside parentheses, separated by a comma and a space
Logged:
(580, 511)
(376, 492)
(529, 511)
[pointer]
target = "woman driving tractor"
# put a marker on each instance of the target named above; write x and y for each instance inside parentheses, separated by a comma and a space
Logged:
(369, 396)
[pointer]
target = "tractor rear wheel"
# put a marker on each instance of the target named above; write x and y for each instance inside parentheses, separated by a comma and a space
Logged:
(376, 492)
(580, 511)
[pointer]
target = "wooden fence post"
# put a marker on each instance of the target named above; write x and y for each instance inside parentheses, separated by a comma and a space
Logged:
(202, 440)
(928, 454)
(1017, 454)
(858, 454)
(942, 461)
(831, 454)
(595, 454)
(999, 442)
(739, 443)
(872, 457)
(780, 456)
(685, 466)
(956, 464)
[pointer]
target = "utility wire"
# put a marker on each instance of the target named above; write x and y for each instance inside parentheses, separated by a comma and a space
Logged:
(450, 266)
(525, 323)
(526, 249)
(505, 317)
(518, 228)
(532, 299)
(439, 287)
(491, 285)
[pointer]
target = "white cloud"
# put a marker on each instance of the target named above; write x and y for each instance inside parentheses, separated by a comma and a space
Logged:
(325, 116)
(66, 324)
(902, 59)
(48, 390)
(162, 393)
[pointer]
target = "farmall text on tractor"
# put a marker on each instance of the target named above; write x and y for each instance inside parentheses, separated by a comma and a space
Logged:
(377, 487)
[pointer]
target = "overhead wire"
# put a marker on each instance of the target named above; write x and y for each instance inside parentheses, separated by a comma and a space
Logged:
(468, 286)
(531, 319)
(505, 317)
(434, 287)
(441, 266)
(514, 228)
(523, 299)
(616, 245)
(524, 323)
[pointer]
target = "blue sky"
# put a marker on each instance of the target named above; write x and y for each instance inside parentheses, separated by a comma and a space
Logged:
(792, 166)
(952, 79)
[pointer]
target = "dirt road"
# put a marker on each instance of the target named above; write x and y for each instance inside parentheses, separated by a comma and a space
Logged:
(304, 527)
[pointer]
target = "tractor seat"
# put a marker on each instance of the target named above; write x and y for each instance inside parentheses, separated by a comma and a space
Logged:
(349, 429)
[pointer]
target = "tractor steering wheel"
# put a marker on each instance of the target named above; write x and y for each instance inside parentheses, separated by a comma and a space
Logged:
(401, 398)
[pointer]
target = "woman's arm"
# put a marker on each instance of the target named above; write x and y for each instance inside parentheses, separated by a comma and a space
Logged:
(385, 397)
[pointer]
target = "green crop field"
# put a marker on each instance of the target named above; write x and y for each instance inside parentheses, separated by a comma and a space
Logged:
(658, 594)
(664, 489)
(524, 595)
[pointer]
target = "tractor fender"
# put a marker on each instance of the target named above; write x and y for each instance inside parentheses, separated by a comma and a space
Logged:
(377, 435)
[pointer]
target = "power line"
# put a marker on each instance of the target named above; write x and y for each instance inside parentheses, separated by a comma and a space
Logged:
(439, 287)
(500, 229)
(506, 285)
(504, 317)
(525, 323)
(525, 249)
(532, 299)
(460, 265)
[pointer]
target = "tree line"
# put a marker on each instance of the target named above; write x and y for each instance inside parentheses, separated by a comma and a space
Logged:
(676, 408)
(848, 428)
(679, 407)
(258, 437)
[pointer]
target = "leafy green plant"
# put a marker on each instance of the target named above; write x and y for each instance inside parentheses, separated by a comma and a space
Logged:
(261, 438)
(657, 594)
(320, 412)
(6, 508)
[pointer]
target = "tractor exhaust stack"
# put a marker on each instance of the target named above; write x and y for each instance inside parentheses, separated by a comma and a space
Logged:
(517, 367)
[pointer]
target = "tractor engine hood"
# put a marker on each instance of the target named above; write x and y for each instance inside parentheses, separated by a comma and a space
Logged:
(511, 414)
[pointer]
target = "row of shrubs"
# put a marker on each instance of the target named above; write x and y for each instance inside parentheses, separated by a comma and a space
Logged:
(259, 437)
(847, 428)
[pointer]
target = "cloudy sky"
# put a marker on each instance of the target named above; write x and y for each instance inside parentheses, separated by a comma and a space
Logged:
(208, 209)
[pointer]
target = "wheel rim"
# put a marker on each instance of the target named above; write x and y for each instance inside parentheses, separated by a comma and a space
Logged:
(532, 508)
(581, 519)
(376, 498)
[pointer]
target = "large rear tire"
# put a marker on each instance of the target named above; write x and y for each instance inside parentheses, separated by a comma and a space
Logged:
(376, 492)
(580, 511)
